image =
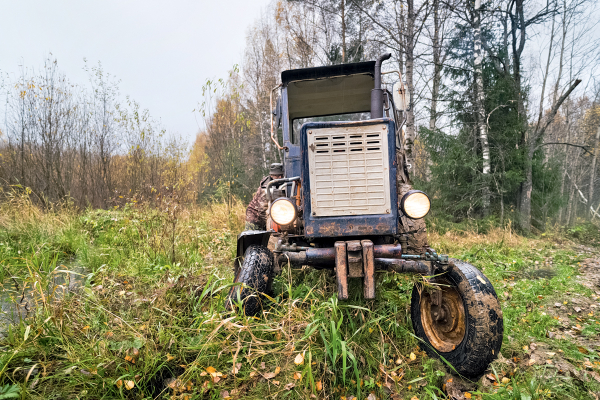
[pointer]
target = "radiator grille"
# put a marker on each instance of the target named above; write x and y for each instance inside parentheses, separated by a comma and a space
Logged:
(349, 170)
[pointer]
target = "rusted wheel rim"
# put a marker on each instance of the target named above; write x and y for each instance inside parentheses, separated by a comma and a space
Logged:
(445, 323)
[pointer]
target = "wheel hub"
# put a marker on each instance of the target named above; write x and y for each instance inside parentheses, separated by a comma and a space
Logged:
(443, 317)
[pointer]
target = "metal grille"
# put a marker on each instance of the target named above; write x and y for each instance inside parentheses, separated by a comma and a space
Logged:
(349, 170)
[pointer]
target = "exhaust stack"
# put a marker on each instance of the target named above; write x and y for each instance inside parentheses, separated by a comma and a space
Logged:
(377, 92)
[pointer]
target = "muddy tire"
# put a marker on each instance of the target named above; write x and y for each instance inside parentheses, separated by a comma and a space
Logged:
(256, 277)
(464, 325)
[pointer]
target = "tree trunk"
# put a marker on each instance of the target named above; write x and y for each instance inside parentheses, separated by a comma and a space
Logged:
(526, 188)
(410, 115)
(343, 31)
(480, 104)
(437, 65)
(593, 172)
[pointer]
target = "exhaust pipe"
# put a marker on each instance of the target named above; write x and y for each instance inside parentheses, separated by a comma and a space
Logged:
(377, 92)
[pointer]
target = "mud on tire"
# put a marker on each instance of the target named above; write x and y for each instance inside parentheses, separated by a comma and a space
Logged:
(471, 341)
(255, 276)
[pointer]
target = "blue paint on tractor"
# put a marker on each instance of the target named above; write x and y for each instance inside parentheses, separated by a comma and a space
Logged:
(344, 226)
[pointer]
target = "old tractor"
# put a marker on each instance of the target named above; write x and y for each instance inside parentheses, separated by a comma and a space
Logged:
(346, 204)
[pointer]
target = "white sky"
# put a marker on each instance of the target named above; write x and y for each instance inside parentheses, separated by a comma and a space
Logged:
(161, 51)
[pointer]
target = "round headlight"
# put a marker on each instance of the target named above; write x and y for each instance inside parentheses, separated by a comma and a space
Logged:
(415, 204)
(283, 211)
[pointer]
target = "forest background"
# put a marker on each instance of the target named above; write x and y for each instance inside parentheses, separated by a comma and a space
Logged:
(504, 120)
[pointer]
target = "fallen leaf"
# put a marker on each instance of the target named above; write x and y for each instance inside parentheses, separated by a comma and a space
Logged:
(129, 358)
(583, 350)
(371, 396)
(319, 386)
(467, 395)
(119, 383)
(275, 382)
(289, 386)
(225, 394)
(170, 357)
(129, 385)
(413, 357)
(505, 380)
(491, 377)
(297, 376)
(252, 374)
(271, 375)
(211, 370)
(299, 360)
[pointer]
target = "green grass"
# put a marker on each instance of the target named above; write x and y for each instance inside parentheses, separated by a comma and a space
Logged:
(150, 321)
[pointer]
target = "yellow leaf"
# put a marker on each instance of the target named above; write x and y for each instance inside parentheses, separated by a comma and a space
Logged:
(297, 376)
(505, 380)
(299, 359)
(119, 383)
(467, 395)
(319, 386)
(129, 385)
(413, 357)
(211, 370)
(130, 359)
(170, 357)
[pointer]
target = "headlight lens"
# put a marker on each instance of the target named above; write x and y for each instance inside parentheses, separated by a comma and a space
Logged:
(415, 204)
(283, 211)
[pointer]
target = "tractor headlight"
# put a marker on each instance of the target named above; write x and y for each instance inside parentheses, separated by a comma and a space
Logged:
(415, 204)
(283, 211)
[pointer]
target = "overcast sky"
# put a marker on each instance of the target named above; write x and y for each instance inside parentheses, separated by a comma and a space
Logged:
(161, 51)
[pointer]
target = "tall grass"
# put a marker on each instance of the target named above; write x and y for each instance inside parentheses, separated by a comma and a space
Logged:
(149, 321)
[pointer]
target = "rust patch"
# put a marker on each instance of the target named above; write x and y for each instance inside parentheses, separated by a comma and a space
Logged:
(369, 269)
(331, 229)
(341, 270)
(444, 323)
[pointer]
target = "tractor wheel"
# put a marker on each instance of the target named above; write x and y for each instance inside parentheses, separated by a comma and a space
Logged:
(462, 322)
(255, 277)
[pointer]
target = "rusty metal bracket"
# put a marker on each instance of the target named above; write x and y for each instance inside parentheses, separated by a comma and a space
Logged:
(369, 269)
(436, 296)
(341, 270)
(355, 259)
